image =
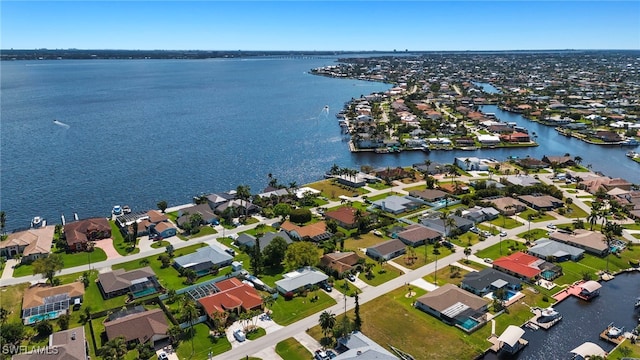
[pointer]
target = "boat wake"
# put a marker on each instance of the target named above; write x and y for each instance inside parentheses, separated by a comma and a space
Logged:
(61, 124)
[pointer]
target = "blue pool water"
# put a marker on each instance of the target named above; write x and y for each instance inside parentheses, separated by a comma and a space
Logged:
(469, 324)
(547, 274)
(36, 318)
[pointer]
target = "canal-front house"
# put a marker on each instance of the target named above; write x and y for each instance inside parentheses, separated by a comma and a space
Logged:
(455, 306)
(32, 244)
(555, 251)
(78, 234)
(527, 267)
(43, 302)
(591, 241)
(138, 282)
(386, 250)
(541, 202)
(589, 289)
(489, 280)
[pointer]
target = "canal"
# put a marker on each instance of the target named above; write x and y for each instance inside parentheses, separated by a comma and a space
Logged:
(584, 321)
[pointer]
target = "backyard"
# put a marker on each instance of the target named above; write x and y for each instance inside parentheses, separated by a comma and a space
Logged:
(70, 260)
(203, 343)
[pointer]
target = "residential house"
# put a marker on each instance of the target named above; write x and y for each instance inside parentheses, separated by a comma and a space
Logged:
(389, 174)
(203, 260)
(432, 169)
(239, 206)
(249, 241)
(515, 137)
(68, 344)
(357, 180)
(593, 185)
(531, 163)
(462, 225)
(41, 302)
(416, 235)
(454, 306)
(215, 200)
(541, 202)
(303, 278)
(208, 215)
(386, 250)
(591, 241)
(395, 204)
(489, 280)
(164, 229)
(79, 233)
(32, 244)
(562, 161)
(488, 140)
(555, 251)
(340, 262)
(508, 206)
(140, 326)
(345, 216)
(138, 282)
(522, 180)
(234, 295)
(315, 232)
(480, 214)
(527, 267)
(356, 346)
(471, 164)
(429, 195)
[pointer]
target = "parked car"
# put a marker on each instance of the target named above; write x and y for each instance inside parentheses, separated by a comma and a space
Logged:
(551, 226)
(230, 251)
(351, 277)
(447, 244)
(321, 355)
(239, 335)
(503, 234)
(326, 287)
(377, 233)
(488, 261)
(475, 230)
(331, 354)
(163, 356)
(486, 233)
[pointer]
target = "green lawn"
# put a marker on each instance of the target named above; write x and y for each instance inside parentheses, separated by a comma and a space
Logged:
(380, 185)
(536, 218)
(287, 312)
(122, 247)
(492, 229)
(506, 222)
(331, 189)
(257, 333)
(447, 275)
(383, 196)
(534, 234)
(493, 252)
(203, 343)
(424, 254)
(260, 229)
(575, 212)
(168, 277)
(346, 287)
(70, 260)
(291, 349)
(381, 274)
(160, 244)
(204, 231)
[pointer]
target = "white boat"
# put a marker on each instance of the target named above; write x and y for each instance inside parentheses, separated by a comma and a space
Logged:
(614, 332)
(548, 315)
(630, 142)
(532, 326)
(631, 154)
(117, 210)
(37, 222)
(637, 302)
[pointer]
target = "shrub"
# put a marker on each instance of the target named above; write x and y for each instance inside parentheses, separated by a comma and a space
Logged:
(288, 295)
(634, 263)
(300, 216)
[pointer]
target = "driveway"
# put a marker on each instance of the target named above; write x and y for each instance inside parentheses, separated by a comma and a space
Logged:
(7, 273)
(107, 247)
(171, 354)
(261, 321)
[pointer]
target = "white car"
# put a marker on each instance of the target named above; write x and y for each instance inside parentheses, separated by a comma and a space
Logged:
(503, 234)
(377, 233)
(488, 261)
(551, 226)
(239, 335)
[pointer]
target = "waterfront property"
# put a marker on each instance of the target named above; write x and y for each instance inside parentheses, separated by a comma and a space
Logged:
(555, 251)
(510, 341)
(589, 290)
(358, 346)
(137, 325)
(303, 278)
(208, 215)
(522, 180)
(455, 306)
(344, 216)
(138, 282)
(527, 267)
(32, 244)
(314, 232)
(234, 295)
(472, 163)
(591, 241)
(386, 250)
(79, 233)
(43, 302)
(587, 350)
(203, 260)
(489, 280)
(70, 344)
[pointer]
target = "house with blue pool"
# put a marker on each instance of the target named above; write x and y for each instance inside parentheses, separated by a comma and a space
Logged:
(455, 306)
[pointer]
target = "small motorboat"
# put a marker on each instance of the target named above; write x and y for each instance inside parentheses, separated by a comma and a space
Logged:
(37, 222)
(548, 315)
(637, 302)
(614, 331)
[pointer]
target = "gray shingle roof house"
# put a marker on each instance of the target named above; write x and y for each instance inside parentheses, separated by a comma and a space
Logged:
(250, 241)
(119, 282)
(429, 195)
(489, 280)
(203, 259)
(454, 306)
(387, 250)
(480, 214)
(555, 251)
(541, 202)
(356, 346)
(69, 344)
(437, 224)
(301, 278)
(591, 241)
(203, 209)
(416, 235)
(395, 204)
(143, 326)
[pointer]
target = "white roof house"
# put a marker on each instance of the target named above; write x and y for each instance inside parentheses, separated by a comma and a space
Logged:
(301, 278)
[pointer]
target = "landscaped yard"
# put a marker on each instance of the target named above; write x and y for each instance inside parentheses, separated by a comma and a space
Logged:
(447, 275)
(287, 312)
(70, 260)
(204, 231)
(575, 212)
(381, 274)
(291, 349)
(331, 189)
(346, 287)
(362, 242)
(203, 343)
(506, 222)
(534, 234)
(424, 255)
(122, 247)
(535, 216)
(494, 252)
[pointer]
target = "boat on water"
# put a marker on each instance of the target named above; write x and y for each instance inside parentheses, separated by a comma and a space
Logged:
(630, 142)
(632, 154)
(614, 331)
(548, 315)
(637, 302)
(38, 222)
(532, 326)
(117, 210)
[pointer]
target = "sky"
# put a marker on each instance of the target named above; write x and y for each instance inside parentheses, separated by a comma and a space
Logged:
(320, 25)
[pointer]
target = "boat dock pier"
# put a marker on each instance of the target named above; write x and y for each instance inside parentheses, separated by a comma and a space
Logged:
(544, 325)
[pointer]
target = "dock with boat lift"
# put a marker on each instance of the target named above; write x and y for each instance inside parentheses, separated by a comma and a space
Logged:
(606, 335)
(538, 313)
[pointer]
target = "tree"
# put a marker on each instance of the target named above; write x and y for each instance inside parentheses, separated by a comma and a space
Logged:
(12, 332)
(3, 221)
(357, 321)
(145, 351)
(44, 328)
(467, 252)
(243, 192)
(114, 349)
(529, 218)
(299, 254)
(593, 217)
(162, 205)
(48, 266)
(256, 259)
(436, 252)
(327, 323)
(275, 251)
(300, 216)
(165, 259)
(283, 210)
(63, 321)
(134, 232)
(190, 314)
(610, 231)
(267, 301)
(195, 220)
(175, 334)
(3, 315)
(191, 275)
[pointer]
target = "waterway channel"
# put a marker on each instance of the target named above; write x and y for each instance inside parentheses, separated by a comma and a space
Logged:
(584, 321)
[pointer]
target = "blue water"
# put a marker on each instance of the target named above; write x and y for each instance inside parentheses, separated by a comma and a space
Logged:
(149, 130)
(469, 324)
(488, 88)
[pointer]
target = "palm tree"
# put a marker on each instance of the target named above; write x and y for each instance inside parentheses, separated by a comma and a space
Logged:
(427, 163)
(467, 162)
(267, 301)
(114, 349)
(610, 230)
(451, 223)
(190, 314)
(293, 186)
(436, 252)
(327, 322)
(595, 213)
(444, 216)
(467, 252)
(335, 169)
(506, 210)
(529, 218)
(243, 192)
(577, 159)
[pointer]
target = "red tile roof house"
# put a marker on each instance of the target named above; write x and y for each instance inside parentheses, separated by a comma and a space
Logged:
(79, 233)
(416, 235)
(344, 216)
(340, 262)
(515, 137)
(139, 327)
(527, 267)
(233, 296)
(316, 231)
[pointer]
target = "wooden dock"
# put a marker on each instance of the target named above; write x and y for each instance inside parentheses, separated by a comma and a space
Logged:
(537, 314)
(616, 340)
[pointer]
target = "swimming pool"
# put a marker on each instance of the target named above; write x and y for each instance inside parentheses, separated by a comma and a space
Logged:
(469, 324)
(548, 275)
(46, 316)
